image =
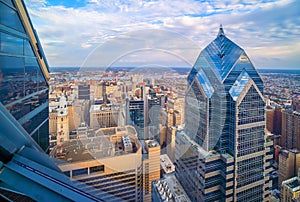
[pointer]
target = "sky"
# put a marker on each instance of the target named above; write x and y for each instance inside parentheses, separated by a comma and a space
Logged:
(164, 32)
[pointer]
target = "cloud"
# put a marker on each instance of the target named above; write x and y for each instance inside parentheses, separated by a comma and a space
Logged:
(263, 28)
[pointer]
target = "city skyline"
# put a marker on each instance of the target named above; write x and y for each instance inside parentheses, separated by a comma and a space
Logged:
(147, 115)
(69, 32)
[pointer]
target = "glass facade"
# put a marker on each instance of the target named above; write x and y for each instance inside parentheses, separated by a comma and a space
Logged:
(137, 118)
(23, 86)
(225, 117)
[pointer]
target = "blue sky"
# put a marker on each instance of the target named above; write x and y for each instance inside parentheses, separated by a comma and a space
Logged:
(164, 32)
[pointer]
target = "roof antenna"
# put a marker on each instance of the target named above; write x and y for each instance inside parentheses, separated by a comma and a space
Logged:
(221, 31)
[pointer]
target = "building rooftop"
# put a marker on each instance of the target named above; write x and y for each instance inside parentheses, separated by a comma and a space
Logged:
(292, 184)
(152, 143)
(104, 107)
(106, 142)
(166, 164)
(170, 189)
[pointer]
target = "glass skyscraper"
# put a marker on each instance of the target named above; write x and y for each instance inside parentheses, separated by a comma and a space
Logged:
(23, 72)
(27, 173)
(222, 154)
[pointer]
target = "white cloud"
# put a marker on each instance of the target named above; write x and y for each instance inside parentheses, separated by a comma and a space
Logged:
(70, 34)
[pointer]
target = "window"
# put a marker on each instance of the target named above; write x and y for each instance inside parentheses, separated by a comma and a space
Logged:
(96, 169)
(82, 171)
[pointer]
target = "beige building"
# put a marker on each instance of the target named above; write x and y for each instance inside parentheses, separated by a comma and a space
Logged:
(171, 133)
(151, 166)
(177, 105)
(290, 133)
(59, 123)
(104, 116)
(74, 118)
(97, 90)
(110, 161)
(170, 117)
(289, 163)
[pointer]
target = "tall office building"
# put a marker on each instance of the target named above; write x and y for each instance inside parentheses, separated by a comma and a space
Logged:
(221, 154)
(23, 71)
(274, 120)
(288, 165)
(151, 166)
(135, 116)
(290, 134)
(152, 114)
(83, 91)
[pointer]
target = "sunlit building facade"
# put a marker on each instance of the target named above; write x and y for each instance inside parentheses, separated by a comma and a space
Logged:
(221, 155)
(23, 71)
(110, 161)
(291, 190)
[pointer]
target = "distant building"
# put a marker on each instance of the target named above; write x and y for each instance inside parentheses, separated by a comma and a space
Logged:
(151, 166)
(166, 165)
(152, 114)
(111, 161)
(168, 189)
(135, 116)
(74, 118)
(288, 165)
(80, 112)
(104, 116)
(296, 104)
(171, 117)
(97, 90)
(274, 120)
(170, 148)
(177, 105)
(59, 123)
(84, 92)
(290, 135)
(290, 190)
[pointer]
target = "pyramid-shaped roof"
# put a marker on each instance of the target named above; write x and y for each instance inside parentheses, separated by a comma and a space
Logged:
(222, 54)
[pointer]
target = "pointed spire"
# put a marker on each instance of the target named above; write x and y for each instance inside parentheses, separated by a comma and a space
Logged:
(221, 31)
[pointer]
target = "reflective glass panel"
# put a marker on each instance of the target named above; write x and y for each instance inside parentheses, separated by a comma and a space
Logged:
(11, 44)
(28, 49)
(33, 123)
(31, 80)
(10, 18)
(11, 78)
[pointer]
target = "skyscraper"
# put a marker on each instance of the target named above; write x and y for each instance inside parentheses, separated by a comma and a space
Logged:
(288, 165)
(135, 116)
(151, 166)
(24, 72)
(290, 133)
(27, 173)
(221, 154)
